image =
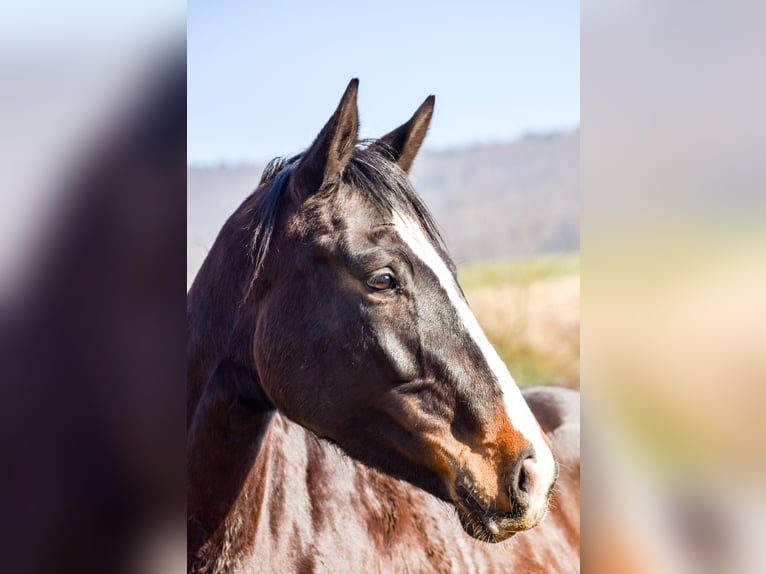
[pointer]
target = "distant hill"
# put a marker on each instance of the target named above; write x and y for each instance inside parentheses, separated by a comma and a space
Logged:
(493, 202)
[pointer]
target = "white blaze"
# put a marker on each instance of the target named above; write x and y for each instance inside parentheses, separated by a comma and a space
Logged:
(515, 406)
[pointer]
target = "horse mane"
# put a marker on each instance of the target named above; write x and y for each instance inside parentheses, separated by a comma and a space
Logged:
(368, 170)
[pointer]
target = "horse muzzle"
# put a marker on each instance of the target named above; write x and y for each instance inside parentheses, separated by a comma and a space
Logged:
(521, 507)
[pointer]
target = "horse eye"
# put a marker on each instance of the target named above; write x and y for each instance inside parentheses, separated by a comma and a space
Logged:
(382, 282)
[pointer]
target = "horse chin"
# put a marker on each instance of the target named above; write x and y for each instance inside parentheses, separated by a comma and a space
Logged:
(488, 526)
(479, 524)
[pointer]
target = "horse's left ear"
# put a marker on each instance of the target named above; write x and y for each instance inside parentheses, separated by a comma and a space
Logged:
(324, 161)
(402, 144)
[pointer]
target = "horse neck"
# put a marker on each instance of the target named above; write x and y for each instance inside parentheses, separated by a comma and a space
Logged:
(227, 411)
(218, 324)
(224, 440)
(228, 421)
(280, 492)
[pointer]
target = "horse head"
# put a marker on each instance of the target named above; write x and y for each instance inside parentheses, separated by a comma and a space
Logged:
(363, 335)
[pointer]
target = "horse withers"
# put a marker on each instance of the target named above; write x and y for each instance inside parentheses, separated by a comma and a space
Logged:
(342, 397)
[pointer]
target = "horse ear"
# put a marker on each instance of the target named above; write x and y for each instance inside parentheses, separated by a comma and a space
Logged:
(323, 162)
(402, 144)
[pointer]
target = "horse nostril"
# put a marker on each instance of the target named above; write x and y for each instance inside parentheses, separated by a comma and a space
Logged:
(522, 483)
(523, 480)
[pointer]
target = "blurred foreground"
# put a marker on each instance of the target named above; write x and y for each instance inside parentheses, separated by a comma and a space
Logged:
(92, 314)
(674, 276)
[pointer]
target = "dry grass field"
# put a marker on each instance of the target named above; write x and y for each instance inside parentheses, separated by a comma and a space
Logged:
(530, 311)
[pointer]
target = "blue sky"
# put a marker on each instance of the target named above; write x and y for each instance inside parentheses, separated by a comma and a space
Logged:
(263, 77)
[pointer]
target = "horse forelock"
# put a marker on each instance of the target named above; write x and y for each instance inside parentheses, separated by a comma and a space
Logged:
(372, 173)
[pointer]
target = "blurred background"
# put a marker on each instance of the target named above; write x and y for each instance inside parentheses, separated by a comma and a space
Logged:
(499, 168)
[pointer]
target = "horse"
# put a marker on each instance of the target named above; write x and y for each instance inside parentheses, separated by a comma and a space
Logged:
(346, 413)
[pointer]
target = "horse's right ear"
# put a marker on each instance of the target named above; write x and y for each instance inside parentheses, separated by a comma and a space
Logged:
(323, 162)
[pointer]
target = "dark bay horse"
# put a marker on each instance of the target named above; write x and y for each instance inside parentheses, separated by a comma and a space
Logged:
(346, 412)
